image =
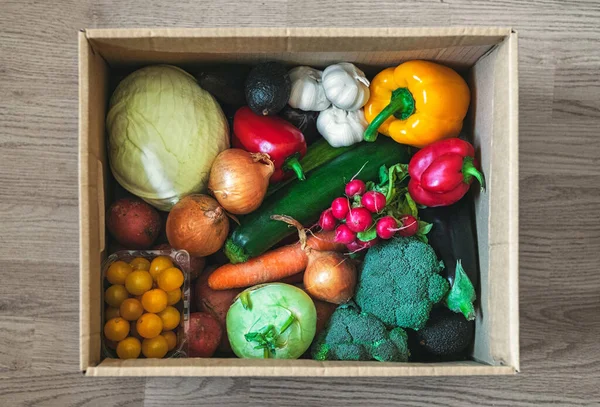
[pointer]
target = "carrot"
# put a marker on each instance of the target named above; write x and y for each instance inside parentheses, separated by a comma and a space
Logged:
(273, 265)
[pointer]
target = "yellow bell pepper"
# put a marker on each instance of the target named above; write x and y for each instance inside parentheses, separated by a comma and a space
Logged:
(417, 103)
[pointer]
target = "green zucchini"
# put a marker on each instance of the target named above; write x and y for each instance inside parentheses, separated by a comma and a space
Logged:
(305, 200)
(318, 154)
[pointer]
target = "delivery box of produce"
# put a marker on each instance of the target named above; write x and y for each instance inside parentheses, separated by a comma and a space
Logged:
(326, 202)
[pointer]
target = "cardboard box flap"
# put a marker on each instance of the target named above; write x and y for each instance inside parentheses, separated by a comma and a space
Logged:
(316, 46)
(495, 99)
(284, 368)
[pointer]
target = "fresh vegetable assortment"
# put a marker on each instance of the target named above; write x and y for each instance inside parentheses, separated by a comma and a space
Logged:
(361, 281)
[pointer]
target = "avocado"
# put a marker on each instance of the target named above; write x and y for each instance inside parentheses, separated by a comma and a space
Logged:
(268, 88)
(446, 336)
(225, 82)
(305, 121)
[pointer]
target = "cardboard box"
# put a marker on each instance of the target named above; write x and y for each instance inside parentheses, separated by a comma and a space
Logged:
(487, 55)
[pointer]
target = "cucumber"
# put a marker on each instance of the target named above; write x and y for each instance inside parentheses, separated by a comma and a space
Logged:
(305, 200)
(318, 154)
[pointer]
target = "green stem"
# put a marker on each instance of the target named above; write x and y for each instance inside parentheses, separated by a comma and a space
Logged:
(402, 105)
(292, 163)
(469, 171)
(245, 300)
(288, 322)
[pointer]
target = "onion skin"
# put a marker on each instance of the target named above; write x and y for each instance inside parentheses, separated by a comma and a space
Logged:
(197, 224)
(239, 180)
(330, 277)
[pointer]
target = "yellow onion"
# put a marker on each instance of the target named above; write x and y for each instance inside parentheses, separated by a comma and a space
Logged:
(239, 180)
(330, 277)
(197, 224)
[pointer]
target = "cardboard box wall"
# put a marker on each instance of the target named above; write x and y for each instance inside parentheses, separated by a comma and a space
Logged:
(488, 55)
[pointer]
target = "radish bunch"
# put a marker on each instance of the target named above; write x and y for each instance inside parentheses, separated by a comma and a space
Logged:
(359, 218)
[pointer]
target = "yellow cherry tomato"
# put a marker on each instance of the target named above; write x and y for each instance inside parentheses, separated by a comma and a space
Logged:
(156, 347)
(116, 329)
(129, 348)
(117, 272)
(140, 263)
(115, 295)
(111, 312)
(159, 264)
(154, 300)
(170, 318)
(174, 296)
(131, 309)
(138, 282)
(171, 339)
(149, 325)
(170, 279)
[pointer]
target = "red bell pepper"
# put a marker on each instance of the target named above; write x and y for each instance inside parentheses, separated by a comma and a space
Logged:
(442, 172)
(272, 135)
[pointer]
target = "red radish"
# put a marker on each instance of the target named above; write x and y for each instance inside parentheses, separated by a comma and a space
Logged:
(359, 245)
(373, 201)
(355, 187)
(386, 227)
(340, 207)
(343, 234)
(327, 220)
(359, 219)
(410, 226)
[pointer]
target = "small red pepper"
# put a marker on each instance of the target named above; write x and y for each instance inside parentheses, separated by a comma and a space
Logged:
(272, 135)
(441, 173)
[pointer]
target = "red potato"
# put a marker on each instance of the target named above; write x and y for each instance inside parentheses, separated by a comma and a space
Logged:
(196, 263)
(215, 302)
(133, 223)
(204, 335)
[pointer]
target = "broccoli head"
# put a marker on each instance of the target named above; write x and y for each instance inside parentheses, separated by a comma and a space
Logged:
(400, 282)
(355, 335)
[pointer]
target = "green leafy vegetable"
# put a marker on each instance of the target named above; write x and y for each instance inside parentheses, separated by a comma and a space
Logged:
(164, 132)
(462, 294)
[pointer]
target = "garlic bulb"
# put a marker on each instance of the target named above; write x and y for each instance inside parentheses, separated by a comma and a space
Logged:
(346, 86)
(341, 128)
(307, 90)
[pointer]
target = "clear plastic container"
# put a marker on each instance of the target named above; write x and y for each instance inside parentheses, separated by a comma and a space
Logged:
(181, 260)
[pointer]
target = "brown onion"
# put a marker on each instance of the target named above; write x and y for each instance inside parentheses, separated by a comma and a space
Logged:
(329, 276)
(239, 180)
(197, 224)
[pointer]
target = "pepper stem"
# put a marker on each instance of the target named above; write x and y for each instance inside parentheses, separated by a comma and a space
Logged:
(292, 163)
(469, 171)
(402, 106)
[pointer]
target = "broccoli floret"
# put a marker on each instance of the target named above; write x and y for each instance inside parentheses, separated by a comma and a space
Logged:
(400, 282)
(355, 335)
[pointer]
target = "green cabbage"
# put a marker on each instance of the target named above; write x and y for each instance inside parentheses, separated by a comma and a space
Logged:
(164, 133)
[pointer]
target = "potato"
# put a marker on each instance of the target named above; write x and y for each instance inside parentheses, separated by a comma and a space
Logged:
(216, 303)
(133, 223)
(204, 335)
(196, 263)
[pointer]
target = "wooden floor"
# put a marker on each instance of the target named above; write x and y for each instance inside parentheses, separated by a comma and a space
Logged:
(559, 207)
